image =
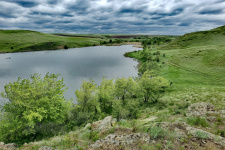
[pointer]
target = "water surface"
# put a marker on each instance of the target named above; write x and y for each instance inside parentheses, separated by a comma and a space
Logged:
(74, 65)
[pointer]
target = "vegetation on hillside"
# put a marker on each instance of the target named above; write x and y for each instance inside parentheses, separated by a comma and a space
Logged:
(201, 38)
(156, 102)
(24, 40)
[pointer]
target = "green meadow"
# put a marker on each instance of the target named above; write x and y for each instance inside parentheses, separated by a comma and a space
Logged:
(23, 40)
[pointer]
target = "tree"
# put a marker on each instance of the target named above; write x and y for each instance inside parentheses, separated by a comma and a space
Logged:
(132, 87)
(121, 88)
(119, 111)
(86, 97)
(151, 87)
(32, 103)
(147, 66)
(105, 95)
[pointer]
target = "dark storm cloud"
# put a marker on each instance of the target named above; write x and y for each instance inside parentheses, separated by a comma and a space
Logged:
(112, 16)
(26, 3)
(206, 11)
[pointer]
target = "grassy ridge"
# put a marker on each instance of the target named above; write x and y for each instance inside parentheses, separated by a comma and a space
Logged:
(24, 40)
(212, 37)
(201, 63)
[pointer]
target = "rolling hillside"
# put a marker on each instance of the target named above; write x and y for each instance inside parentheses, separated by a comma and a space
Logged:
(202, 38)
(24, 40)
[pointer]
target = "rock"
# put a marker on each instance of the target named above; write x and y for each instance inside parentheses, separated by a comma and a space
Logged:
(179, 133)
(192, 131)
(10, 146)
(25, 144)
(47, 148)
(200, 109)
(102, 125)
(113, 140)
(88, 126)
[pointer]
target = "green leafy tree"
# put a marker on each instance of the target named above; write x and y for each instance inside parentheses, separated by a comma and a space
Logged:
(147, 66)
(121, 88)
(151, 87)
(132, 87)
(105, 95)
(119, 111)
(31, 104)
(87, 101)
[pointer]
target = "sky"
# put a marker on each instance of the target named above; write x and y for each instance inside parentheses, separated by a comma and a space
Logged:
(155, 17)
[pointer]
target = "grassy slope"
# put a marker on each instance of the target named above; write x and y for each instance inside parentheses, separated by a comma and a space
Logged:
(23, 40)
(201, 38)
(202, 63)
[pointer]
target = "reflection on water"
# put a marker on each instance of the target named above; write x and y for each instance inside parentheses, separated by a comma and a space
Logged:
(74, 65)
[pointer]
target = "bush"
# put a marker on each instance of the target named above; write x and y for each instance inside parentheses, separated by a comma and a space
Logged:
(32, 103)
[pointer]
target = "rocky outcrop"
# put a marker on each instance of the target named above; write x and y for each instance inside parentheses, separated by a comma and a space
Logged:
(10, 146)
(200, 109)
(46, 148)
(114, 141)
(103, 125)
(182, 130)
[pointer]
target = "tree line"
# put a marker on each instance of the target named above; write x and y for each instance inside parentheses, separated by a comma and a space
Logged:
(36, 104)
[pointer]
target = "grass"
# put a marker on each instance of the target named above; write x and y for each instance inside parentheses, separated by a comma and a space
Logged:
(201, 135)
(24, 40)
(212, 37)
(198, 121)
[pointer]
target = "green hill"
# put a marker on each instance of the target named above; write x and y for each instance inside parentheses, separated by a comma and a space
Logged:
(24, 40)
(212, 37)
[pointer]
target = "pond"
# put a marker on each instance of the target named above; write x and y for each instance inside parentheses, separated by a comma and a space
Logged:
(74, 65)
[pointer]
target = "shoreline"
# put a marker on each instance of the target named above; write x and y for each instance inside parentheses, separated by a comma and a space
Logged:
(135, 44)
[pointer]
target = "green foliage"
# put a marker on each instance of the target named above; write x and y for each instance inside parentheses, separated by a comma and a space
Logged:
(94, 136)
(125, 88)
(86, 96)
(119, 111)
(147, 66)
(151, 88)
(78, 117)
(105, 95)
(198, 121)
(220, 132)
(121, 88)
(156, 132)
(201, 135)
(32, 103)
(125, 123)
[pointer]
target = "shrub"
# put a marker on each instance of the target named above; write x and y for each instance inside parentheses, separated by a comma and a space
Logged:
(32, 103)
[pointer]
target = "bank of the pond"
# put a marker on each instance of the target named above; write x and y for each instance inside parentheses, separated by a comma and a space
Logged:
(25, 41)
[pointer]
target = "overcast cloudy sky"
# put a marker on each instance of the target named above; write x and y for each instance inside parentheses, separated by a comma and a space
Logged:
(174, 17)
